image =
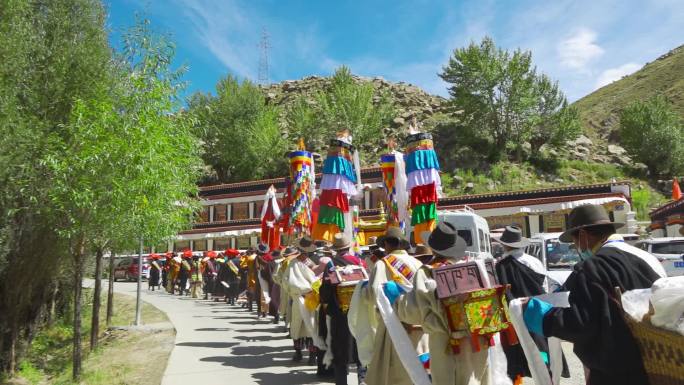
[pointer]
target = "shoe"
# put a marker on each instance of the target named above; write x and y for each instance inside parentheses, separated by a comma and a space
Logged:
(297, 356)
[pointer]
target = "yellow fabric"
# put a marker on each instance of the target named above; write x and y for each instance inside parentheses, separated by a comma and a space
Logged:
(325, 232)
(420, 228)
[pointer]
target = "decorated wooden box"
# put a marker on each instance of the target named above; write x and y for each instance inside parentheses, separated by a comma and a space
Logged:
(346, 278)
(472, 308)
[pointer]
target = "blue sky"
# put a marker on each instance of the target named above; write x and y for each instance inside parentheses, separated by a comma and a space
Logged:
(583, 44)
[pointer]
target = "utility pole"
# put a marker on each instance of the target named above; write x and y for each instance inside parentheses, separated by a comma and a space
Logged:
(138, 299)
(264, 46)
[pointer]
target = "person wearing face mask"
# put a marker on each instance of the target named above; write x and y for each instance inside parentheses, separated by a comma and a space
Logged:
(526, 276)
(593, 322)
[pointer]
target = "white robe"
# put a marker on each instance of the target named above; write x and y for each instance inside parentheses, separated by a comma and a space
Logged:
(467, 367)
(299, 278)
(385, 367)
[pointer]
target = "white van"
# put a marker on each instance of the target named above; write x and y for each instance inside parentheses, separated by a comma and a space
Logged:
(558, 257)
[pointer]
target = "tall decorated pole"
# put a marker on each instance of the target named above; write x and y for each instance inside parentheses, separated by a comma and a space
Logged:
(270, 226)
(302, 189)
(341, 180)
(394, 183)
(423, 181)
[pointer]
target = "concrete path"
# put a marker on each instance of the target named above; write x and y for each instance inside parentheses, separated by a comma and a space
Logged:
(219, 344)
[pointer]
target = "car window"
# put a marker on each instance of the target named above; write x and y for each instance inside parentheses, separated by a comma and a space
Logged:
(481, 236)
(668, 248)
(560, 255)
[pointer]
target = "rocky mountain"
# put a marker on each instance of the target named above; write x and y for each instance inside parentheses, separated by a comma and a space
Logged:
(408, 99)
(600, 109)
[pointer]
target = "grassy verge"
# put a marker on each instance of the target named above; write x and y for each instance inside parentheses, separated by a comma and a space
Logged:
(508, 176)
(123, 356)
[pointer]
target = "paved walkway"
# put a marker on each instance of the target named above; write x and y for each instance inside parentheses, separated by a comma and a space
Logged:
(219, 344)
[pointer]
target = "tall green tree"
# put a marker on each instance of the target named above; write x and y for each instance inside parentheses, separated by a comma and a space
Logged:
(344, 104)
(240, 133)
(505, 100)
(52, 53)
(127, 167)
(653, 133)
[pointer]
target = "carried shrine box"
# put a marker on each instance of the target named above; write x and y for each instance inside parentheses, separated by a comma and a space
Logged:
(471, 307)
(345, 279)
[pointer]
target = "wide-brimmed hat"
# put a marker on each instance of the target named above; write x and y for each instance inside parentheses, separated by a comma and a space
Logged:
(444, 240)
(306, 244)
(341, 241)
(512, 237)
(422, 253)
(587, 216)
(290, 251)
(393, 233)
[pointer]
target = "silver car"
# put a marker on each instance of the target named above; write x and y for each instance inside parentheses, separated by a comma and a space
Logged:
(669, 251)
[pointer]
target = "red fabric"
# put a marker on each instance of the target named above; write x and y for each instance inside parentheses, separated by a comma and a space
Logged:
(187, 254)
(423, 194)
(315, 208)
(211, 254)
(353, 259)
(267, 257)
(676, 191)
(231, 252)
(270, 235)
(335, 198)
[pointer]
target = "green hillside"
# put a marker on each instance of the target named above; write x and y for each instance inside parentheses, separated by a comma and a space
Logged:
(665, 75)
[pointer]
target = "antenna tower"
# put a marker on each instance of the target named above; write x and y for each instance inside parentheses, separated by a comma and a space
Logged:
(264, 46)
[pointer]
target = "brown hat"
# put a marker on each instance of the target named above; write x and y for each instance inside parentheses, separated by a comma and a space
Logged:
(393, 233)
(306, 244)
(422, 253)
(585, 217)
(341, 241)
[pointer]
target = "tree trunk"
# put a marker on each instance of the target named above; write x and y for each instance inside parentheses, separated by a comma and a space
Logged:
(78, 289)
(95, 319)
(12, 359)
(110, 290)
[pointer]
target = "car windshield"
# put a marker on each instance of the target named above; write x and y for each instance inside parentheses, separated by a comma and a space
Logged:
(668, 248)
(560, 255)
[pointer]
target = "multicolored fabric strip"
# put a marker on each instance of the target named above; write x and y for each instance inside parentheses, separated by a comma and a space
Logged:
(331, 216)
(301, 188)
(400, 267)
(423, 194)
(387, 165)
(329, 182)
(421, 160)
(335, 198)
(339, 166)
(422, 177)
(423, 213)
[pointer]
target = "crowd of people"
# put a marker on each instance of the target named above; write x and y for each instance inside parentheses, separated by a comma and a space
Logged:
(393, 315)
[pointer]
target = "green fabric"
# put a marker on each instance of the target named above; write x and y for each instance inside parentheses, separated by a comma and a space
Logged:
(423, 213)
(331, 216)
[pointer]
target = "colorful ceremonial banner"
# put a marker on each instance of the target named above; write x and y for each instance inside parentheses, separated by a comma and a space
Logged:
(301, 189)
(422, 173)
(394, 184)
(270, 226)
(341, 179)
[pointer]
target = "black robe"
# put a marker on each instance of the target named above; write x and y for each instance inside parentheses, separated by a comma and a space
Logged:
(524, 282)
(594, 323)
(343, 344)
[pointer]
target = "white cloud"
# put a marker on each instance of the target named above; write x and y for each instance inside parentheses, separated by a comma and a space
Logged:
(228, 33)
(612, 74)
(578, 49)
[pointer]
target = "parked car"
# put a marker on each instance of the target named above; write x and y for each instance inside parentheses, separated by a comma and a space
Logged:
(558, 257)
(127, 269)
(669, 251)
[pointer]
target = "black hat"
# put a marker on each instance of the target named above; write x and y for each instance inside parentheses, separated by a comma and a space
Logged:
(262, 248)
(444, 240)
(306, 244)
(587, 216)
(512, 237)
(393, 233)
(289, 251)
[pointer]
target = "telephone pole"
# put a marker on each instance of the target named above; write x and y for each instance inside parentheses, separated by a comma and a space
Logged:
(264, 46)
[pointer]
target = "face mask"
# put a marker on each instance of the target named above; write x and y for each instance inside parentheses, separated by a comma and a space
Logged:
(583, 253)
